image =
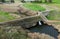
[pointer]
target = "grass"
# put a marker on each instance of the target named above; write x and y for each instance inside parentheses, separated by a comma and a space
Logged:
(56, 1)
(33, 6)
(5, 16)
(17, 32)
(12, 33)
(54, 15)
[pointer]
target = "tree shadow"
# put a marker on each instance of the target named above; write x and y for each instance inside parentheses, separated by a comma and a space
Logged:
(46, 29)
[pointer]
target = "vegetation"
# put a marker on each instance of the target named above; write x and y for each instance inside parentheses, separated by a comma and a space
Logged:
(50, 1)
(3, 0)
(54, 15)
(5, 16)
(56, 1)
(17, 32)
(12, 1)
(33, 6)
(12, 33)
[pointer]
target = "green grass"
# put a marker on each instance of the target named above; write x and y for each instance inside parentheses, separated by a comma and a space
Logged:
(56, 1)
(4, 16)
(54, 15)
(33, 6)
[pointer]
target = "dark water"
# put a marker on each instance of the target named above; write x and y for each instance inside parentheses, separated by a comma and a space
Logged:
(46, 29)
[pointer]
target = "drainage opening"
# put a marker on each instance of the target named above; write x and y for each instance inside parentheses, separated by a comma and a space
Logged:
(41, 23)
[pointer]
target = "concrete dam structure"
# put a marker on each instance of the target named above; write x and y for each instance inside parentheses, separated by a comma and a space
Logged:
(30, 18)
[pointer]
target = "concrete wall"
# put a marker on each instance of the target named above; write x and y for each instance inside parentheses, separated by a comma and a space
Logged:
(30, 20)
(24, 22)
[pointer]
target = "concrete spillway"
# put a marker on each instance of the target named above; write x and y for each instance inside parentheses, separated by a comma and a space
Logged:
(30, 19)
(26, 22)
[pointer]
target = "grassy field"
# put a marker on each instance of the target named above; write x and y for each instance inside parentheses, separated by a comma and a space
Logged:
(5, 16)
(33, 6)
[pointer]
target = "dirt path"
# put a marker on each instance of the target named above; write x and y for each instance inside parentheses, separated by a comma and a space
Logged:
(54, 21)
(48, 7)
(9, 7)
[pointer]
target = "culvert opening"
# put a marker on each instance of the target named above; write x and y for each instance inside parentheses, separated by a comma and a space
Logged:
(38, 24)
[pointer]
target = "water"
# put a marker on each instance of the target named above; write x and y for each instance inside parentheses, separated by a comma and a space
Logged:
(45, 29)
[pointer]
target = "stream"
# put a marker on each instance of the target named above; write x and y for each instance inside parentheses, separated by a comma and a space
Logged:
(45, 31)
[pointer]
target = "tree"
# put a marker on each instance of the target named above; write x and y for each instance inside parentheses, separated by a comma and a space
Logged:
(46, 1)
(3, 1)
(22, 1)
(39, 1)
(49, 1)
(12, 1)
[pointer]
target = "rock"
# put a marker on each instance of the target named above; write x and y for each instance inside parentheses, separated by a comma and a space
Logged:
(59, 36)
(39, 36)
(26, 11)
